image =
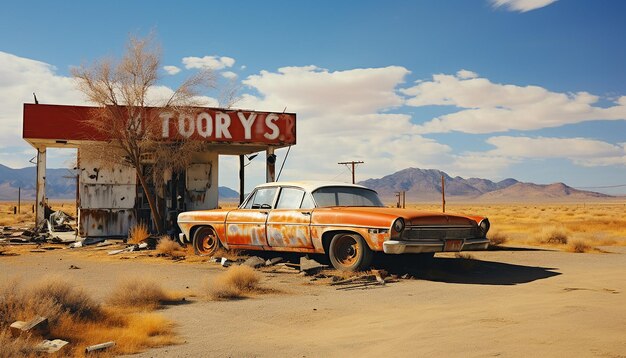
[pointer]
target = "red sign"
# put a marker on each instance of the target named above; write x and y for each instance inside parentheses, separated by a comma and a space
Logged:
(59, 122)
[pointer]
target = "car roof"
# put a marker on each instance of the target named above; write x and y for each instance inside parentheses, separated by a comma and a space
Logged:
(309, 185)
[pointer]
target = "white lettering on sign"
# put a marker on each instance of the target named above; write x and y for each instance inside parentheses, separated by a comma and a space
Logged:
(222, 122)
(204, 124)
(185, 125)
(269, 122)
(165, 117)
(247, 123)
(219, 125)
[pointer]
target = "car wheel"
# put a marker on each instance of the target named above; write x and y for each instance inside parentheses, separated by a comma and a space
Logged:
(349, 252)
(205, 241)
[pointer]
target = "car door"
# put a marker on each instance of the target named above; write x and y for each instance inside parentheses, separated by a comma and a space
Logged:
(289, 223)
(246, 226)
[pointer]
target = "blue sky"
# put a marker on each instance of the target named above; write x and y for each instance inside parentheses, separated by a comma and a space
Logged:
(530, 89)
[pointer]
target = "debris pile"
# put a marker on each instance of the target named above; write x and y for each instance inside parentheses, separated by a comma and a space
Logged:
(55, 229)
(38, 327)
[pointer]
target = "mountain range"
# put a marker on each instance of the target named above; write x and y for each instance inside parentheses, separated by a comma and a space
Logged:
(419, 184)
(60, 184)
(425, 185)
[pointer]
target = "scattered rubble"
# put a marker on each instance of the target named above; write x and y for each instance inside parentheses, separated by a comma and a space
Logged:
(51, 346)
(38, 325)
(254, 262)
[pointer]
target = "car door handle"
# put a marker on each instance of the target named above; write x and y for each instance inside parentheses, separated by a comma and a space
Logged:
(306, 213)
(264, 212)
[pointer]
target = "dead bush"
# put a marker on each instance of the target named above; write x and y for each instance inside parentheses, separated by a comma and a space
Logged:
(234, 283)
(554, 235)
(51, 298)
(497, 239)
(579, 246)
(142, 293)
(69, 299)
(138, 233)
(15, 347)
(169, 247)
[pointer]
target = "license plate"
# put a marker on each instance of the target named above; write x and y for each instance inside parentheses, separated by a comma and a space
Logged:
(453, 245)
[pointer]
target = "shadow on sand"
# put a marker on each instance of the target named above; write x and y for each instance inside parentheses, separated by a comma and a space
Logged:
(467, 271)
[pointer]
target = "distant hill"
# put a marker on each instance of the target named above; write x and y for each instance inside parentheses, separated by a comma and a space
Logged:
(425, 185)
(59, 184)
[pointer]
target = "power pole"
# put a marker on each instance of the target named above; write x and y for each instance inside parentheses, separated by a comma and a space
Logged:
(353, 163)
(443, 194)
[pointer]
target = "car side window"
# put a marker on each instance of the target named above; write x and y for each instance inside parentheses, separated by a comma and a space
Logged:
(262, 199)
(290, 198)
(307, 202)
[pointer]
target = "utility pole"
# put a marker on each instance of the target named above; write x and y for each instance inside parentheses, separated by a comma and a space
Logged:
(443, 194)
(353, 163)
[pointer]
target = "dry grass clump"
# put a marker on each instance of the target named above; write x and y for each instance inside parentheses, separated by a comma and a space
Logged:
(579, 246)
(140, 293)
(553, 235)
(138, 233)
(497, 238)
(168, 247)
(75, 317)
(11, 347)
(236, 282)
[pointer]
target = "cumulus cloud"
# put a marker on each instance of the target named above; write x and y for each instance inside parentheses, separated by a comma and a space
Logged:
(229, 74)
(487, 107)
(171, 70)
(522, 5)
(509, 150)
(19, 78)
(208, 62)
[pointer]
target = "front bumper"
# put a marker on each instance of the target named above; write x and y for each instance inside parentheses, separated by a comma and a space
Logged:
(416, 247)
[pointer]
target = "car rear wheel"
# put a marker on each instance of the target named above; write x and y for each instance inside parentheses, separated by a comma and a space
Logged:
(205, 241)
(349, 252)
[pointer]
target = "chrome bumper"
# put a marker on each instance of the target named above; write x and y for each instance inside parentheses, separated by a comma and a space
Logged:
(416, 247)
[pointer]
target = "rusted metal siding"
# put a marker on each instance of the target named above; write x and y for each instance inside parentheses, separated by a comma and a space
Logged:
(107, 198)
(202, 182)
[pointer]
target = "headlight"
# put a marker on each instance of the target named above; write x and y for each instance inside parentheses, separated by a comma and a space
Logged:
(398, 225)
(483, 227)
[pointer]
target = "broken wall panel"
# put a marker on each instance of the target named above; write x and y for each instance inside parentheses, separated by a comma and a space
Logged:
(202, 182)
(105, 222)
(107, 196)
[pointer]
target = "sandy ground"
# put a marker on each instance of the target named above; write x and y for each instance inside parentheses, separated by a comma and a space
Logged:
(512, 303)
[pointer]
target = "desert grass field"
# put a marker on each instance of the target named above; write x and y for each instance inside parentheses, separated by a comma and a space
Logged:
(552, 287)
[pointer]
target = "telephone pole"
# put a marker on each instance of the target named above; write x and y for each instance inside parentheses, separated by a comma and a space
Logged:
(353, 163)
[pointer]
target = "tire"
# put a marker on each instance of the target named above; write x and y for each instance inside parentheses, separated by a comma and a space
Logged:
(349, 252)
(205, 241)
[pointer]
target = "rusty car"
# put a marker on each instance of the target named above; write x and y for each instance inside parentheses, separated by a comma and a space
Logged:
(345, 222)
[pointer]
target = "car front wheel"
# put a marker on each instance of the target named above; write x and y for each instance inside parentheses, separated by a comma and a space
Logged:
(205, 241)
(349, 252)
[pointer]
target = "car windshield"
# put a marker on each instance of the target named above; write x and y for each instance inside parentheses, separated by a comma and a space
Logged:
(345, 196)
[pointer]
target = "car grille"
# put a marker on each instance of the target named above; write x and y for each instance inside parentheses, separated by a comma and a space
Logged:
(438, 233)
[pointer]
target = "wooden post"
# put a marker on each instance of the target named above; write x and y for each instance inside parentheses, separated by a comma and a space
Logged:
(41, 186)
(19, 200)
(270, 174)
(443, 194)
(403, 199)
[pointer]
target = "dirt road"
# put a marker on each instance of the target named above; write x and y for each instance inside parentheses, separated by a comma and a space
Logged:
(512, 303)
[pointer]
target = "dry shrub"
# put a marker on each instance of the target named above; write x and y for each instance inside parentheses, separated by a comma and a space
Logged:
(52, 298)
(579, 246)
(15, 347)
(553, 235)
(234, 283)
(169, 247)
(140, 293)
(497, 238)
(138, 233)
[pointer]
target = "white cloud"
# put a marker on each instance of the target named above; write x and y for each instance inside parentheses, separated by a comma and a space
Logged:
(522, 5)
(229, 74)
(342, 115)
(509, 150)
(171, 70)
(314, 90)
(208, 62)
(487, 107)
(19, 78)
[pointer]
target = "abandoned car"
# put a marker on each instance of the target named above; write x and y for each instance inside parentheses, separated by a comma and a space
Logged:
(346, 222)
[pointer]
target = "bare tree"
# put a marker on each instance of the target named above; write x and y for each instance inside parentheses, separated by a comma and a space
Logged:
(128, 112)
